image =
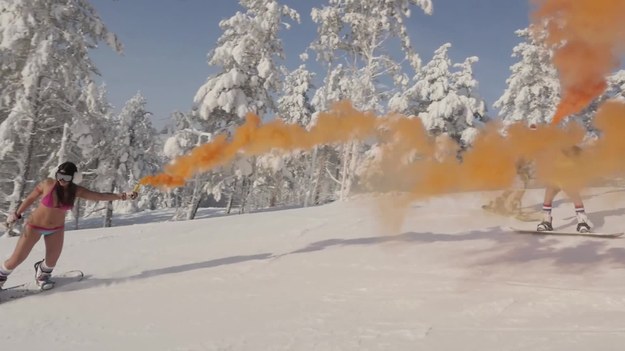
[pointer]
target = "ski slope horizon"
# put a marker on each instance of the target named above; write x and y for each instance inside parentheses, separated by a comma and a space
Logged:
(332, 277)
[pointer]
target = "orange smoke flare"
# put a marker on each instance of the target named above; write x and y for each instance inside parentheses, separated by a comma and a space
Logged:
(337, 126)
(588, 37)
(414, 162)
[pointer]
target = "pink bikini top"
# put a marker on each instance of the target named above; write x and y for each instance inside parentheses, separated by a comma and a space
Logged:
(48, 201)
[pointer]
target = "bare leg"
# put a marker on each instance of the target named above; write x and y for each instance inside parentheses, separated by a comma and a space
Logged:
(25, 244)
(576, 198)
(54, 246)
(583, 223)
(550, 194)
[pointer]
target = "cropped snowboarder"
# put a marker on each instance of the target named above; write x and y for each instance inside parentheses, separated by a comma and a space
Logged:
(566, 163)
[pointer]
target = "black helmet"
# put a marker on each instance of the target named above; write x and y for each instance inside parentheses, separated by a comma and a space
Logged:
(68, 168)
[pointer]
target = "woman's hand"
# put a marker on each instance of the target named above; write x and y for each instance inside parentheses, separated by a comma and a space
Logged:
(125, 196)
(13, 217)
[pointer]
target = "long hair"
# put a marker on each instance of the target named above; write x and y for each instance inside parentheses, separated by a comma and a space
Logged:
(66, 196)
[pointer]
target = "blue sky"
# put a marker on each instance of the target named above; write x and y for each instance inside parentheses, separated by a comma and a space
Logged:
(166, 43)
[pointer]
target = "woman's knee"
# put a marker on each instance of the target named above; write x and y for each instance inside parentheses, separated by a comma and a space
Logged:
(22, 250)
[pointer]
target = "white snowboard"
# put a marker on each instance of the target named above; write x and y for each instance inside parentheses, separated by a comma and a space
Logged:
(569, 232)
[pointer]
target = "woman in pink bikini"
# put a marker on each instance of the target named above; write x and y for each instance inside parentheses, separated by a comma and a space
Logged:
(48, 221)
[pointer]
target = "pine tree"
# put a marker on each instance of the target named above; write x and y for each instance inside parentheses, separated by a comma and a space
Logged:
(87, 142)
(281, 178)
(294, 105)
(132, 156)
(188, 131)
(247, 54)
(615, 90)
(471, 108)
(445, 99)
(432, 84)
(358, 32)
(321, 187)
(44, 57)
(533, 90)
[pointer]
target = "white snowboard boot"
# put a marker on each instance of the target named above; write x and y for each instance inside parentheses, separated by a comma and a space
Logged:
(43, 276)
(4, 274)
(584, 225)
(545, 225)
(3, 279)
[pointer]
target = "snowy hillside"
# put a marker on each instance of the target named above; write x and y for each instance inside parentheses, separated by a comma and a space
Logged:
(330, 278)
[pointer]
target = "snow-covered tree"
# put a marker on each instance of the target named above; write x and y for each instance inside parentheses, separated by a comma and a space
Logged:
(444, 99)
(358, 34)
(132, 155)
(137, 138)
(335, 88)
(533, 88)
(247, 54)
(470, 108)
(616, 86)
(615, 90)
(294, 105)
(283, 176)
(185, 133)
(188, 131)
(47, 82)
(86, 143)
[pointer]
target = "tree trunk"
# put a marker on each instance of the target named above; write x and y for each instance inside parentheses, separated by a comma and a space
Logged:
(196, 198)
(318, 171)
(108, 218)
(353, 166)
(19, 184)
(345, 161)
(349, 165)
(247, 183)
(62, 153)
(24, 164)
(243, 194)
(76, 213)
(311, 177)
(276, 192)
(231, 198)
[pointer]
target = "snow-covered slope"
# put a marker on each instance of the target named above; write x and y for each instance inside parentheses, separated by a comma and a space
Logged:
(332, 278)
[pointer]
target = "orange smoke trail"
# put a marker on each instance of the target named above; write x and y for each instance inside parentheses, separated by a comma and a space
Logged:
(337, 126)
(411, 159)
(588, 37)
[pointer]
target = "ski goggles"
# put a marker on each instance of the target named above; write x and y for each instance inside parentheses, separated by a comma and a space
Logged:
(64, 177)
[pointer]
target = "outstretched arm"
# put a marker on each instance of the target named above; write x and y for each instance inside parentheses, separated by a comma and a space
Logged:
(96, 196)
(30, 199)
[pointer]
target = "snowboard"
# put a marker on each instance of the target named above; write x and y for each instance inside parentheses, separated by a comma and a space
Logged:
(569, 232)
(27, 289)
